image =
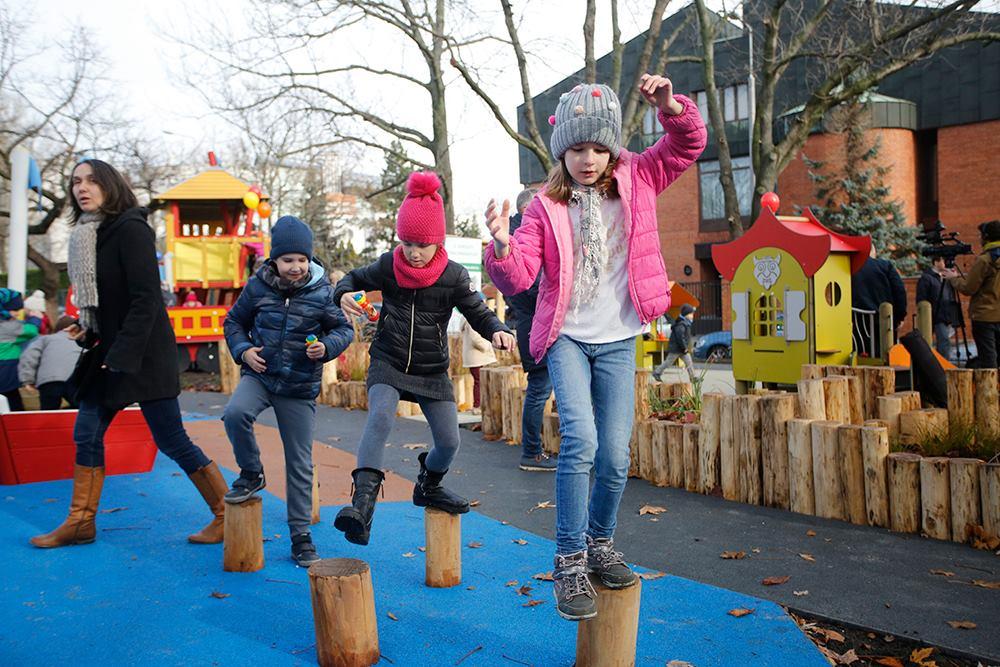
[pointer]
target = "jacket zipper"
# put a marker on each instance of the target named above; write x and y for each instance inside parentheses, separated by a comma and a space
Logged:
(413, 308)
(284, 323)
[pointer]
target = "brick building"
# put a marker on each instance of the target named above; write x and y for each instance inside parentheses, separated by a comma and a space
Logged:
(938, 124)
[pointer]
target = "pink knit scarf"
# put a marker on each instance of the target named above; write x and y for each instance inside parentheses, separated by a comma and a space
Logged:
(411, 277)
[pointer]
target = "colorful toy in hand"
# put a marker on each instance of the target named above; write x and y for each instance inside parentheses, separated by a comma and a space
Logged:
(310, 339)
(366, 306)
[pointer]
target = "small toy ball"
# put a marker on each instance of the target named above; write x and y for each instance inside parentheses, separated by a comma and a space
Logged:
(595, 92)
(311, 338)
(264, 209)
(552, 120)
(770, 201)
(251, 200)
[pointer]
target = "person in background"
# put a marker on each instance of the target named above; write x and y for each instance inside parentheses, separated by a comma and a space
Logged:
(14, 334)
(946, 312)
(877, 282)
(476, 353)
(679, 346)
(982, 283)
(35, 303)
(47, 363)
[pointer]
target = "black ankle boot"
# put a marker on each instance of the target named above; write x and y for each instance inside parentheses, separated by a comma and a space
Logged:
(428, 492)
(356, 519)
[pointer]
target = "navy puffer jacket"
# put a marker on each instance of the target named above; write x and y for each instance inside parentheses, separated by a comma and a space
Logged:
(264, 316)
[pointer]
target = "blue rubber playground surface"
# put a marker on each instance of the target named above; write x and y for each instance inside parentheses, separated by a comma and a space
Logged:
(142, 595)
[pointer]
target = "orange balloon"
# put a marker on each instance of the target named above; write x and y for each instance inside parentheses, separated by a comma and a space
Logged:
(264, 210)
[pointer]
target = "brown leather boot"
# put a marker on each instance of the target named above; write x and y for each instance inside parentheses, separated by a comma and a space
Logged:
(209, 482)
(79, 527)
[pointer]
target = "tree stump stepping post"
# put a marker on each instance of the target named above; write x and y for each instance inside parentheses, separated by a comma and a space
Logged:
(609, 639)
(443, 535)
(344, 613)
(243, 537)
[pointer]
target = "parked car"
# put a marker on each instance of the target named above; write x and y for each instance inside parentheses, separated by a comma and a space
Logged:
(717, 345)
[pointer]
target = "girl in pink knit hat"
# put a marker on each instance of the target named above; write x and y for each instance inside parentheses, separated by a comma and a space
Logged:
(409, 354)
(592, 233)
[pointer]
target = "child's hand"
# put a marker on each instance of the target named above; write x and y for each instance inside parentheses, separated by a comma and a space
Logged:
(499, 225)
(253, 359)
(76, 332)
(350, 306)
(503, 341)
(316, 351)
(659, 91)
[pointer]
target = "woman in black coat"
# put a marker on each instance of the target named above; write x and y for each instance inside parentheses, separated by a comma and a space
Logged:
(130, 350)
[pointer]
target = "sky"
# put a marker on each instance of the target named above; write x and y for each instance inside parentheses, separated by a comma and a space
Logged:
(146, 68)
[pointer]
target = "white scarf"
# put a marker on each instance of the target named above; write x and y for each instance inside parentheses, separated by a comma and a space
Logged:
(593, 247)
(82, 267)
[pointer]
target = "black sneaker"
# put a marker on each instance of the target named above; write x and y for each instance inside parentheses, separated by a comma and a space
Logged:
(303, 550)
(245, 486)
(576, 599)
(608, 564)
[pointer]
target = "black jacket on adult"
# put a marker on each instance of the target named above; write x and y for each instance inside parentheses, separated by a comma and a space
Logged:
(945, 308)
(412, 331)
(878, 282)
(680, 336)
(136, 341)
(523, 304)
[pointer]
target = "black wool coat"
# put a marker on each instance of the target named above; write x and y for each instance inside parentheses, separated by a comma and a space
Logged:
(135, 340)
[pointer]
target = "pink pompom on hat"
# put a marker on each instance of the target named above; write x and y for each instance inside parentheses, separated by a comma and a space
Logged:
(421, 216)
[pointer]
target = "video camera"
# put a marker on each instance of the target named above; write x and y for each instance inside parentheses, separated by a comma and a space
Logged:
(943, 244)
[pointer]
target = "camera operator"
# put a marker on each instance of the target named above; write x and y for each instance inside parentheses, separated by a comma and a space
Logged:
(946, 311)
(982, 283)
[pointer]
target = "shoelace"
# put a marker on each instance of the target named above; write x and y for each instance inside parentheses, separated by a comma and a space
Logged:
(605, 555)
(573, 579)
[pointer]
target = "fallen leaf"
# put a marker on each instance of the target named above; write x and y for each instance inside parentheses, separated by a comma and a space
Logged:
(654, 519)
(533, 603)
(808, 557)
(391, 615)
(651, 509)
(408, 554)
(962, 625)
(651, 575)
(219, 596)
(755, 550)
(543, 576)
(994, 585)
(679, 663)
(474, 503)
(775, 581)
(512, 582)
(520, 541)
(943, 573)
(733, 555)
(827, 634)
(849, 658)
(739, 612)
(799, 594)
(421, 549)
(112, 510)
(525, 590)
(889, 661)
(470, 588)
(544, 505)
(920, 655)
(810, 533)
(415, 445)
(474, 545)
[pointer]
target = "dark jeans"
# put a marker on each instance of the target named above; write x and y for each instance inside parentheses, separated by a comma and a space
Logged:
(987, 337)
(539, 390)
(164, 419)
(51, 395)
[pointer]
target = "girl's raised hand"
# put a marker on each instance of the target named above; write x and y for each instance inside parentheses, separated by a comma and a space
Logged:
(659, 91)
(498, 222)
(350, 306)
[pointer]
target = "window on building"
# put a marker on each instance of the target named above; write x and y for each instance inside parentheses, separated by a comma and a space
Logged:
(713, 203)
(735, 103)
(769, 316)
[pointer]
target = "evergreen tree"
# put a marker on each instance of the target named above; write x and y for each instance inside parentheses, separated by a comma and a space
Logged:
(856, 200)
(387, 200)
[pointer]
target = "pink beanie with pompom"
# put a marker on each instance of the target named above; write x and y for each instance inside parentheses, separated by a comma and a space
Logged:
(421, 216)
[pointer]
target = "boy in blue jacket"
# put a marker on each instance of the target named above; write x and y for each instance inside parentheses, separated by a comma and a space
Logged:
(282, 329)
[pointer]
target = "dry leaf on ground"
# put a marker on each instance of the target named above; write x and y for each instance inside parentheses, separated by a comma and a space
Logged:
(533, 603)
(219, 596)
(415, 445)
(112, 510)
(525, 590)
(810, 533)
(943, 573)
(408, 554)
(889, 661)
(995, 585)
(962, 625)
(775, 581)
(808, 557)
(512, 582)
(520, 541)
(391, 615)
(733, 555)
(679, 663)
(826, 634)
(651, 509)
(799, 594)
(920, 655)
(739, 612)
(421, 549)
(474, 545)
(651, 575)
(545, 505)
(474, 503)
(543, 576)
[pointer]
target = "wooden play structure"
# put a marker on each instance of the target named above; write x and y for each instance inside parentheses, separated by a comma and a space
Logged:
(790, 295)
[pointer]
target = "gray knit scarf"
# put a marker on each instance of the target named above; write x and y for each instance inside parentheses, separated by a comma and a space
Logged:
(82, 267)
(592, 238)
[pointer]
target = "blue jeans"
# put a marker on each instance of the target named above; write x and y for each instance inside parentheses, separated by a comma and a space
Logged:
(537, 395)
(594, 385)
(163, 416)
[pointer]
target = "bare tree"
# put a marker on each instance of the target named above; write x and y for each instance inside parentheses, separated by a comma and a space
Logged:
(589, 61)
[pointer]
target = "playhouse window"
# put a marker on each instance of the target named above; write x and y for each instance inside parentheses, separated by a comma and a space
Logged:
(769, 316)
(833, 294)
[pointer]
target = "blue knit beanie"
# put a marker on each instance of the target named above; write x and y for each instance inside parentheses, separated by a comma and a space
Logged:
(291, 235)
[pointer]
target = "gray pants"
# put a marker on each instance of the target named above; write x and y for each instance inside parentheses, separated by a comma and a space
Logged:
(296, 421)
(671, 359)
(942, 339)
(442, 417)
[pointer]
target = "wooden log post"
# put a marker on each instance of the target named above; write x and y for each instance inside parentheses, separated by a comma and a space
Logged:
(889, 408)
(729, 453)
(644, 446)
(486, 376)
(918, 426)
(904, 492)
(963, 478)
(229, 370)
(643, 383)
(911, 400)
(961, 401)
(315, 495)
(443, 536)
(812, 400)
(856, 397)
(852, 472)
(935, 497)
(987, 402)
(775, 412)
(747, 426)
(550, 434)
(812, 372)
(513, 406)
(692, 477)
(708, 442)
(827, 481)
(344, 613)
(328, 381)
(886, 330)
(243, 537)
(989, 489)
(837, 397)
(609, 639)
(925, 322)
(675, 454)
(801, 493)
(878, 381)
(660, 455)
(875, 453)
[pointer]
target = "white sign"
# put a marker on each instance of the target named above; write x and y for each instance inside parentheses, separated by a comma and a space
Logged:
(469, 253)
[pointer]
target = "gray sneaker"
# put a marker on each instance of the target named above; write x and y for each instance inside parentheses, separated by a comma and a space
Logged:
(576, 599)
(538, 463)
(607, 564)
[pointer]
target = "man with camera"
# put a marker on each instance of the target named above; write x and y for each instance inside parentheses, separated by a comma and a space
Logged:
(946, 311)
(982, 284)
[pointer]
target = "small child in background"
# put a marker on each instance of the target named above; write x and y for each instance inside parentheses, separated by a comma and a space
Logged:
(288, 300)
(679, 346)
(47, 363)
(14, 334)
(476, 353)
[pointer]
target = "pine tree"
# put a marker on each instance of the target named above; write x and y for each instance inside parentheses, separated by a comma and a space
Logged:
(391, 192)
(856, 200)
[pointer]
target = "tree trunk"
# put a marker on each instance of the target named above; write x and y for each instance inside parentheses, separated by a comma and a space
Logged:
(589, 62)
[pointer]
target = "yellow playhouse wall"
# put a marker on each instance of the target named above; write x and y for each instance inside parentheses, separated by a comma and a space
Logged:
(834, 340)
(206, 259)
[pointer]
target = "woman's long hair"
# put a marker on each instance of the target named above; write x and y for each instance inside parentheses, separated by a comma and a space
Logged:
(559, 185)
(118, 195)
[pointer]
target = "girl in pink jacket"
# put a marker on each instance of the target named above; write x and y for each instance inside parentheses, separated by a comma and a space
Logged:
(593, 234)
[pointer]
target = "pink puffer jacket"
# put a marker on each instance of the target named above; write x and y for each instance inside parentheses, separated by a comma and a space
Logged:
(544, 241)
